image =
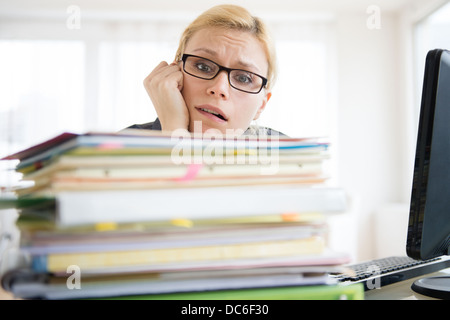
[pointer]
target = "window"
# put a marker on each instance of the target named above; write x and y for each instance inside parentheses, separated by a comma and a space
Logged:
(301, 102)
(122, 99)
(42, 90)
(431, 33)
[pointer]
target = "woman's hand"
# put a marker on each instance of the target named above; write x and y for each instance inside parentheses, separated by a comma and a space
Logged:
(164, 85)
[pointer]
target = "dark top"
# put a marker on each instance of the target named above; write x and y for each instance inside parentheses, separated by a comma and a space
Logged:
(156, 125)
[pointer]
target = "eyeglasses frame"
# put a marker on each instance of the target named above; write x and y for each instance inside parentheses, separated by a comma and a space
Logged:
(222, 68)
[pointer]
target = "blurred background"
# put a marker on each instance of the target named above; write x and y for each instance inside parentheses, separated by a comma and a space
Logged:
(350, 70)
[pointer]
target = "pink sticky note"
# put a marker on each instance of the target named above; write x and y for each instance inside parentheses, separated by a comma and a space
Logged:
(191, 173)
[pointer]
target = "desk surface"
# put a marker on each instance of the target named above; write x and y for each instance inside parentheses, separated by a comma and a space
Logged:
(402, 290)
(397, 291)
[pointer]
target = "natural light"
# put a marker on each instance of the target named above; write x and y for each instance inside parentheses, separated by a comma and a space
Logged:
(57, 85)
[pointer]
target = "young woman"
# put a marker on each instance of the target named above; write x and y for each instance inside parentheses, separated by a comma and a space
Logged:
(221, 78)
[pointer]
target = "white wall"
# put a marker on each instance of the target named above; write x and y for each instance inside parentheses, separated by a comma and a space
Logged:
(369, 124)
(378, 105)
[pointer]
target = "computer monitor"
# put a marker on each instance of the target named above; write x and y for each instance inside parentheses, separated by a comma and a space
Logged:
(429, 217)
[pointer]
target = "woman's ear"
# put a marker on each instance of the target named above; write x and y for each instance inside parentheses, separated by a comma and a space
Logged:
(263, 105)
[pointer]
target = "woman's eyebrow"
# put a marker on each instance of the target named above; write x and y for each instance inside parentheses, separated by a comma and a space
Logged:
(239, 62)
(206, 50)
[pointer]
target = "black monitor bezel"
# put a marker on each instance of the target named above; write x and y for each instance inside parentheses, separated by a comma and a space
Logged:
(422, 242)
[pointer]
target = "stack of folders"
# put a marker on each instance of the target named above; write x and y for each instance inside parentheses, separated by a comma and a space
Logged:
(145, 215)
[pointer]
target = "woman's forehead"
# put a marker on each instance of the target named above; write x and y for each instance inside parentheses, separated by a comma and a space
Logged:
(230, 47)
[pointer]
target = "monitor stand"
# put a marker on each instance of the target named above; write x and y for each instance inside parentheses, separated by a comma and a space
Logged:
(435, 287)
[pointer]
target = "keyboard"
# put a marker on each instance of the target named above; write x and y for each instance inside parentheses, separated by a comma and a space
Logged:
(381, 272)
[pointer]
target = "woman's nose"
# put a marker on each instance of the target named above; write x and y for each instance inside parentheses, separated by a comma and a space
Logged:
(220, 85)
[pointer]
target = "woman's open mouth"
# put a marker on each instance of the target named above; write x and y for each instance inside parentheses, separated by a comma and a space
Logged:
(212, 113)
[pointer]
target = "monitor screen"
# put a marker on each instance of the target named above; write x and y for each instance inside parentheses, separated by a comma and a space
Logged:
(429, 218)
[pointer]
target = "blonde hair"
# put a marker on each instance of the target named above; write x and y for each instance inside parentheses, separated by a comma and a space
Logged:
(233, 17)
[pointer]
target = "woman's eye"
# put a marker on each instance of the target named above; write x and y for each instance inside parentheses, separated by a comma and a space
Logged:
(244, 78)
(203, 67)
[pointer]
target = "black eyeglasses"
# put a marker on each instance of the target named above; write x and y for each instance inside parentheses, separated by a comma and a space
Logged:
(206, 69)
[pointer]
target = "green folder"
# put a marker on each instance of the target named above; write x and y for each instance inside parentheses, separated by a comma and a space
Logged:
(321, 292)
